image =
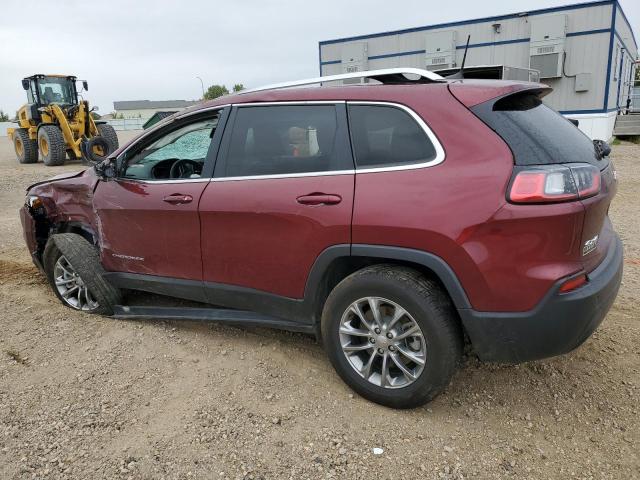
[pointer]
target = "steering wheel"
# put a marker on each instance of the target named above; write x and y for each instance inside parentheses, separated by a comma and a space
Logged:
(183, 168)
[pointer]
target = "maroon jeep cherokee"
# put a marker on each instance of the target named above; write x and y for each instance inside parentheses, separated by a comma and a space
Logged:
(393, 220)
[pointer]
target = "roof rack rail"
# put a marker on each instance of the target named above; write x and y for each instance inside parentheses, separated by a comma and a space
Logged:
(387, 76)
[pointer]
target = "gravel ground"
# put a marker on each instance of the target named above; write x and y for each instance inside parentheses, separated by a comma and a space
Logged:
(89, 397)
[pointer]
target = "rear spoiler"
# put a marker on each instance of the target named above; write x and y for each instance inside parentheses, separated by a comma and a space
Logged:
(474, 92)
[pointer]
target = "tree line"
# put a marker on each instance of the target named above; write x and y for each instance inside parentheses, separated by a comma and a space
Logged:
(215, 91)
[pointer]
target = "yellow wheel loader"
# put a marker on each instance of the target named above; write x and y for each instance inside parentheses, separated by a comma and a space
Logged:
(56, 124)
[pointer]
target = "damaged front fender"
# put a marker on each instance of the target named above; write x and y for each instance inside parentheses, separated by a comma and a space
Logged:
(60, 205)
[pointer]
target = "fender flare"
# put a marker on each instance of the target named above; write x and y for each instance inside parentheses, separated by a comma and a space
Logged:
(383, 252)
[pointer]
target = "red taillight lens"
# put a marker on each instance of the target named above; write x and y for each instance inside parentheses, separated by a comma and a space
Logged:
(573, 283)
(557, 183)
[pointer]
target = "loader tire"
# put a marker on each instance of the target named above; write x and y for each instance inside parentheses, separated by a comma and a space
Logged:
(97, 149)
(26, 149)
(107, 132)
(51, 145)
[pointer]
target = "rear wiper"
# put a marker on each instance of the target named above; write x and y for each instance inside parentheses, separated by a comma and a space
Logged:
(602, 149)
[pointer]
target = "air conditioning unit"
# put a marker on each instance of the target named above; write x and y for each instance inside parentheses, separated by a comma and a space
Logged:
(440, 50)
(547, 45)
(355, 58)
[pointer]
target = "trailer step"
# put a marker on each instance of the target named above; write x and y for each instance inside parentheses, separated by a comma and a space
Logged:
(222, 315)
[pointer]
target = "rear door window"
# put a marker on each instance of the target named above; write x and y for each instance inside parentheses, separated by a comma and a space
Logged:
(387, 136)
(536, 134)
(286, 140)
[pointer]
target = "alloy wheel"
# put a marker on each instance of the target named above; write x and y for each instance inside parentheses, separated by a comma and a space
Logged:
(382, 342)
(72, 289)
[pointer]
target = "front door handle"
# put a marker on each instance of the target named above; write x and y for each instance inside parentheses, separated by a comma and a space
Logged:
(178, 199)
(319, 199)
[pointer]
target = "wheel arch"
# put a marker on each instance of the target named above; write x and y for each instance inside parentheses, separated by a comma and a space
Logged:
(78, 228)
(339, 261)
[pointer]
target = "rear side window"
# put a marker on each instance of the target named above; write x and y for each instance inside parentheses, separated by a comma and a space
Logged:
(536, 134)
(386, 136)
(284, 139)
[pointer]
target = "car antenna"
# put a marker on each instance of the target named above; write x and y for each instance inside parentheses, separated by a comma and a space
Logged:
(459, 75)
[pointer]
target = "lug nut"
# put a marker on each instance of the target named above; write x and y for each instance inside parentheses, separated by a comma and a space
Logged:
(380, 351)
(392, 348)
(372, 340)
(377, 330)
(389, 335)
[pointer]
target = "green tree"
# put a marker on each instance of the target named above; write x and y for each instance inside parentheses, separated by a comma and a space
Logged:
(215, 91)
(3, 116)
(238, 87)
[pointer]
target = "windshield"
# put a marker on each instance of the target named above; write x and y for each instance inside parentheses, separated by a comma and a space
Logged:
(56, 90)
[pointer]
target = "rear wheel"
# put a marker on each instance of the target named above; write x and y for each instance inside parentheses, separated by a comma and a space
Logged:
(73, 268)
(51, 145)
(26, 149)
(392, 335)
(107, 132)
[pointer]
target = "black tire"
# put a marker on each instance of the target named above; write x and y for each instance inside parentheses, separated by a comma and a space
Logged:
(85, 260)
(26, 149)
(51, 145)
(71, 155)
(97, 149)
(431, 309)
(107, 132)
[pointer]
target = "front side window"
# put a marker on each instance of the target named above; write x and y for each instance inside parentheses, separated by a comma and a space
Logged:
(178, 154)
(283, 139)
(387, 136)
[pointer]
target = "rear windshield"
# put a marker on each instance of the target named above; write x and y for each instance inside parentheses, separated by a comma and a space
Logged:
(536, 134)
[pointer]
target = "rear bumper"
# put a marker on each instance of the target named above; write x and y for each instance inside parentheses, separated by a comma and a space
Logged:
(557, 325)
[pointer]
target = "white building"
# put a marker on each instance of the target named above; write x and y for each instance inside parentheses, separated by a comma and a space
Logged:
(586, 52)
(144, 109)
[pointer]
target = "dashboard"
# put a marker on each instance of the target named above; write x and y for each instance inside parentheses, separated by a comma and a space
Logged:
(161, 170)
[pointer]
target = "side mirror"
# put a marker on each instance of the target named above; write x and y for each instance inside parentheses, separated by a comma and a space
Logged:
(85, 85)
(106, 170)
(574, 121)
(26, 84)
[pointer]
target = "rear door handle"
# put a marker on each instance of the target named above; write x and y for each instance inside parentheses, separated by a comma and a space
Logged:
(319, 199)
(178, 199)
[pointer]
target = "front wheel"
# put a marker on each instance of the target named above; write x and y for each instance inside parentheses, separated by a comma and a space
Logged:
(392, 335)
(73, 268)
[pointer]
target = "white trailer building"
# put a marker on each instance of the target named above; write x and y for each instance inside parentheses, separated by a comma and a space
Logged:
(587, 52)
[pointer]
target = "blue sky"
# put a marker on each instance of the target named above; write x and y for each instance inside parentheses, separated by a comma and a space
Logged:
(155, 49)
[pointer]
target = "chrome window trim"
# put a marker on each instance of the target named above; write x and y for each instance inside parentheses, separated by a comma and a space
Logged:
(439, 158)
(173, 180)
(291, 103)
(440, 153)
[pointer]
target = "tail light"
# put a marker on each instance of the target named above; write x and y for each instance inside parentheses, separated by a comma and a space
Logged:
(554, 183)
